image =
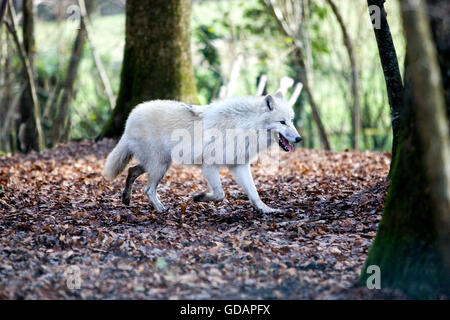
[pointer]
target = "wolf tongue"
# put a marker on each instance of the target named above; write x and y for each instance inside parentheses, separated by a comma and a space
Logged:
(290, 147)
(287, 144)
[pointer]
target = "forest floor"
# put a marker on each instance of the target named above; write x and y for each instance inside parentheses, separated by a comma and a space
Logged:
(60, 218)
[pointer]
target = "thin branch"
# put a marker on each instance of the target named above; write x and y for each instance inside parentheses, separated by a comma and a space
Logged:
(12, 28)
(283, 26)
(356, 110)
(261, 85)
(98, 61)
(299, 57)
(297, 91)
(285, 84)
(10, 112)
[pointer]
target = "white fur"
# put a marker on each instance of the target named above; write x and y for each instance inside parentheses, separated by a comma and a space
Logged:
(150, 126)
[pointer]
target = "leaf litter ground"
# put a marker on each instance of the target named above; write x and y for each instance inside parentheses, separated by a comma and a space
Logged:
(59, 216)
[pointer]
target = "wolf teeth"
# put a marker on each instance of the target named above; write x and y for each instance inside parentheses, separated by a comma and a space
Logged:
(282, 143)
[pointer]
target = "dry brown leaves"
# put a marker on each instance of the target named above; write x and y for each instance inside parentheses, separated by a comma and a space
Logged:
(57, 211)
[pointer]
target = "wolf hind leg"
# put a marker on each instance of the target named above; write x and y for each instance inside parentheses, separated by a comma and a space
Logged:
(216, 193)
(243, 177)
(133, 174)
(155, 172)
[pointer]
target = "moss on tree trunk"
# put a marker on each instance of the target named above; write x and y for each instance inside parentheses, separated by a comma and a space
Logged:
(157, 58)
(406, 247)
(411, 246)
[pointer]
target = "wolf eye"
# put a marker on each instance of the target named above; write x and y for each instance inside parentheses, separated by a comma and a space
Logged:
(283, 122)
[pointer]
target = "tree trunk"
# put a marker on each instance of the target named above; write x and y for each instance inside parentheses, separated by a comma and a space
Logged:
(302, 74)
(6, 92)
(434, 131)
(35, 116)
(412, 245)
(389, 62)
(440, 11)
(61, 124)
(2, 10)
(157, 58)
(356, 110)
(26, 124)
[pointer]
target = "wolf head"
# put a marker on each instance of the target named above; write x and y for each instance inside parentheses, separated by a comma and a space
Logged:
(279, 119)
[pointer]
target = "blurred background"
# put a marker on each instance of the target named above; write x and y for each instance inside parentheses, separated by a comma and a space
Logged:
(239, 48)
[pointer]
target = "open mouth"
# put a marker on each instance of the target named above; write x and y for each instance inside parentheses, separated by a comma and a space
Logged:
(284, 144)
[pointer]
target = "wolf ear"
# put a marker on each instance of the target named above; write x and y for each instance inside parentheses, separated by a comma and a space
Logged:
(279, 94)
(194, 109)
(270, 103)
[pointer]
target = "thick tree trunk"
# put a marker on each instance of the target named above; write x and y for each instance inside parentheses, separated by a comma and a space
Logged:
(355, 86)
(412, 244)
(431, 64)
(61, 124)
(157, 58)
(389, 62)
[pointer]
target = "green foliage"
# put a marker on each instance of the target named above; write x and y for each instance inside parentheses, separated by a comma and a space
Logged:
(222, 30)
(90, 108)
(208, 77)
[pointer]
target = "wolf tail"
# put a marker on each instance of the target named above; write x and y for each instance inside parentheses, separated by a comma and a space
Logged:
(117, 160)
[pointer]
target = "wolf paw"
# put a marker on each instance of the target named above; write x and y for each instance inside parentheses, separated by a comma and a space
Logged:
(204, 197)
(159, 208)
(126, 199)
(267, 210)
(199, 197)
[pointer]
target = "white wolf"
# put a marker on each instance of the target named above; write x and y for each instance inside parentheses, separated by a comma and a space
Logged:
(151, 128)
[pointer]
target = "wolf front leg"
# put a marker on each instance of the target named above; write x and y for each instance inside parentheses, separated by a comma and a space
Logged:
(215, 186)
(243, 176)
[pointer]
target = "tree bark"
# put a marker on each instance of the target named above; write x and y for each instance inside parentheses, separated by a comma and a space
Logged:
(61, 123)
(412, 245)
(430, 57)
(355, 87)
(157, 58)
(389, 62)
